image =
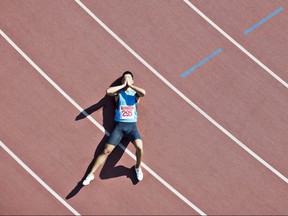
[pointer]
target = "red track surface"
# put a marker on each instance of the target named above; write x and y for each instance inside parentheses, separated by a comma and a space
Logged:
(38, 124)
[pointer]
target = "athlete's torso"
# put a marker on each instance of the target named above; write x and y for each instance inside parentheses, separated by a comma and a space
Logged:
(126, 110)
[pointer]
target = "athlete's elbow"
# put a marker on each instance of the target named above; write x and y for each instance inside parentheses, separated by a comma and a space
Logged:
(143, 93)
(109, 92)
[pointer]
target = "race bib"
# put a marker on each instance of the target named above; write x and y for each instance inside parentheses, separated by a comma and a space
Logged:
(127, 112)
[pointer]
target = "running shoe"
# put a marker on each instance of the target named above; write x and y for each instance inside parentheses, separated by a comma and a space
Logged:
(139, 173)
(88, 179)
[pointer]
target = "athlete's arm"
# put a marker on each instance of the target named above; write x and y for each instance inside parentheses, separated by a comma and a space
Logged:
(113, 91)
(140, 92)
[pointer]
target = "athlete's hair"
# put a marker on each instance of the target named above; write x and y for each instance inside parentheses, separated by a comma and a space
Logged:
(127, 72)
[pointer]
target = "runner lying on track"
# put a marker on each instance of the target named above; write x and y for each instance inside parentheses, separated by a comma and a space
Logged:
(127, 97)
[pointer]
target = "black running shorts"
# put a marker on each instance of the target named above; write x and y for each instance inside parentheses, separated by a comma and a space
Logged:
(124, 129)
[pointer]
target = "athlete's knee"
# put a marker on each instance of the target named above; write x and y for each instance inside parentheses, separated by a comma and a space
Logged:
(106, 151)
(139, 145)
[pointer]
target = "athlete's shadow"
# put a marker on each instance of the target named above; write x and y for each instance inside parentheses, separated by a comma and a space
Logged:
(109, 169)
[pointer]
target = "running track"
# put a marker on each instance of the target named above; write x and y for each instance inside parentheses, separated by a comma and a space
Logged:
(217, 136)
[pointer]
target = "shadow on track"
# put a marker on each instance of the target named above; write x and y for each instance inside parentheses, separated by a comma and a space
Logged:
(109, 169)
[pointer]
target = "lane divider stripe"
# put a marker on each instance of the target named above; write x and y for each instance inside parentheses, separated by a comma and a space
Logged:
(37, 178)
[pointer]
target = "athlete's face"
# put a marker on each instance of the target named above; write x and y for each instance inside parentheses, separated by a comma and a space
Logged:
(128, 78)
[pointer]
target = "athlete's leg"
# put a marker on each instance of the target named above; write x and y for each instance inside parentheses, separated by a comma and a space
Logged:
(100, 160)
(139, 155)
(139, 151)
(112, 142)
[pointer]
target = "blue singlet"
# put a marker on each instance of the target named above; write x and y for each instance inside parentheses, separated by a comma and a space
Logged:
(126, 110)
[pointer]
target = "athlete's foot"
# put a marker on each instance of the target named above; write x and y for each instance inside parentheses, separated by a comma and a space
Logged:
(139, 173)
(88, 179)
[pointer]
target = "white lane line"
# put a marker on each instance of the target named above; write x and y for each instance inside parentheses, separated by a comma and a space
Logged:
(116, 37)
(161, 180)
(236, 43)
(37, 178)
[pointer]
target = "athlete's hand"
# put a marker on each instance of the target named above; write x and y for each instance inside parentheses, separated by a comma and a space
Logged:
(125, 82)
(129, 82)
